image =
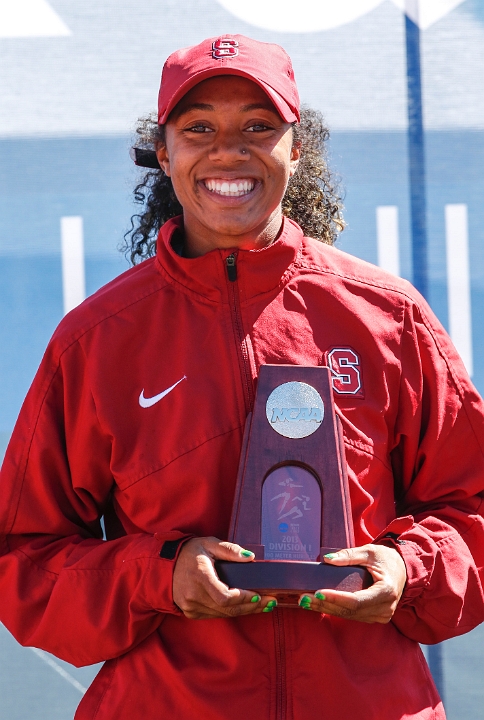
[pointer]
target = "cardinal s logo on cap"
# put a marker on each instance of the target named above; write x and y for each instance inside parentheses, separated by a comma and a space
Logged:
(225, 48)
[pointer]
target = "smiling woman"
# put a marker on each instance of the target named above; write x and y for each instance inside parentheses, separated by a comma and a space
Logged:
(229, 155)
(312, 198)
(137, 416)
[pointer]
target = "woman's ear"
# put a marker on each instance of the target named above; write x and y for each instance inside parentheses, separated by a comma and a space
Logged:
(295, 156)
(163, 159)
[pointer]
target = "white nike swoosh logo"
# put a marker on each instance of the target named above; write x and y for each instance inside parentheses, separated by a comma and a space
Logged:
(148, 402)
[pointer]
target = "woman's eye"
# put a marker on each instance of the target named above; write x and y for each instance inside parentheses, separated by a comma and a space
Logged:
(198, 129)
(258, 127)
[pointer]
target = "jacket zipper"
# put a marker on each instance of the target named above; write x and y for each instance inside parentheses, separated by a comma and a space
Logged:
(234, 300)
(231, 265)
(281, 692)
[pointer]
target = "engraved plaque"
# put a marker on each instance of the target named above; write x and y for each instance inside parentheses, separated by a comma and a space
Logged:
(291, 514)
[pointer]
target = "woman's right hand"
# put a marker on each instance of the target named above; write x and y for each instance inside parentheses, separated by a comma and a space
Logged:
(198, 591)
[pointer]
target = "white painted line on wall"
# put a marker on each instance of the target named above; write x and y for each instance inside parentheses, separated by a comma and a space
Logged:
(426, 12)
(73, 274)
(458, 281)
(311, 15)
(55, 666)
(387, 238)
(30, 18)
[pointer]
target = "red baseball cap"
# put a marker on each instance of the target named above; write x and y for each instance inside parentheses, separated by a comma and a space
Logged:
(266, 64)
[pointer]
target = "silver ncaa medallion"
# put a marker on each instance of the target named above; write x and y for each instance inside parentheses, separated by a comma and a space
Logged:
(295, 409)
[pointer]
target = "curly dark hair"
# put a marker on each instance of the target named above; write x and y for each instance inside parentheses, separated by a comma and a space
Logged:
(312, 198)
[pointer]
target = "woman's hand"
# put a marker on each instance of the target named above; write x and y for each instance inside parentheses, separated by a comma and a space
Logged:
(377, 603)
(199, 593)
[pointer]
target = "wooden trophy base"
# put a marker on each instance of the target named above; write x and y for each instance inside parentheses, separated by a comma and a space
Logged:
(287, 580)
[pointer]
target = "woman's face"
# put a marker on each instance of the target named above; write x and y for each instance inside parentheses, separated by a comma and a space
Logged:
(229, 155)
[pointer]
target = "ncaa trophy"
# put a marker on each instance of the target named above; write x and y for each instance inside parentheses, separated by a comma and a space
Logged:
(292, 503)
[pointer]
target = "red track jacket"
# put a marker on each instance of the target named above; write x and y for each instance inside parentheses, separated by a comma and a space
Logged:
(91, 441)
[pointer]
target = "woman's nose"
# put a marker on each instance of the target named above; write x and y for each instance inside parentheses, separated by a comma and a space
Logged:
(228, 149)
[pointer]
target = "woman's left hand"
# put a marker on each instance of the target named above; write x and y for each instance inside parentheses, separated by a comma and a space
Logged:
(377, 603)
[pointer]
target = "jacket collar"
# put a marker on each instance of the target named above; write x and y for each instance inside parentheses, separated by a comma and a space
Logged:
(258, 271)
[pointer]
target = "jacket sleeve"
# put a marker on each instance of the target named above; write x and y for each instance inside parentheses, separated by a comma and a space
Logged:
(438, 464)
(62, 587)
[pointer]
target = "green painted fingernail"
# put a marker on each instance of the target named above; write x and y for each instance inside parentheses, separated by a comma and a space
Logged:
(256, 598)
(330, 555)
(320, 596)
(246, 553)
(270, 606)
(305, 600)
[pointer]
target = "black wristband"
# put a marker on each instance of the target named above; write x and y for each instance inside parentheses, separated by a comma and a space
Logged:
(169, 548)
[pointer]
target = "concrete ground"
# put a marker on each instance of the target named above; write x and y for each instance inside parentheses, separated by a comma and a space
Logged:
(37, 686)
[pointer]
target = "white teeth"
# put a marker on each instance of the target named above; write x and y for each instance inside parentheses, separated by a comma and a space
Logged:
(232, 189)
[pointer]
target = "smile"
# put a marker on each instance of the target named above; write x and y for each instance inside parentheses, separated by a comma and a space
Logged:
(229, 188)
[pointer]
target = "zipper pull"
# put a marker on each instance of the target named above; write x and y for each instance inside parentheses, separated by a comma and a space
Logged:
(231, 267)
